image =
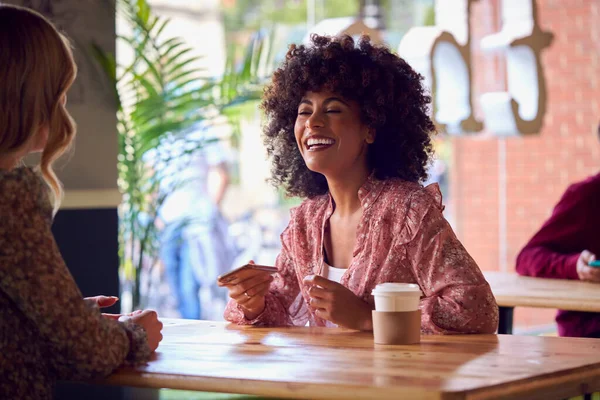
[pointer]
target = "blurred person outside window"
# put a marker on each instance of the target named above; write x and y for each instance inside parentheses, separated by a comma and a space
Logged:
(194, 243)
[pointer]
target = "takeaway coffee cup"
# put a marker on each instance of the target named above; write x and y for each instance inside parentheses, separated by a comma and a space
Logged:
(397, 318)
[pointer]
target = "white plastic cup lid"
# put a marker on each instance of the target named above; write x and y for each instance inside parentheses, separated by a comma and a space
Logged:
(397, 289)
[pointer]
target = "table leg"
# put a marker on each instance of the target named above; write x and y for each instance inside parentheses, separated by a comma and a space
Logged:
(587, 396)
(505, 325)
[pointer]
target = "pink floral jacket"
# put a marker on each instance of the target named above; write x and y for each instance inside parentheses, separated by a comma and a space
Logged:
(402, 237)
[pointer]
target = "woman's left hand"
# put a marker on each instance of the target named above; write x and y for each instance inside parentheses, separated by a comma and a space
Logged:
(107, 301)
(103, 301)
(336, 303)
(121, 317)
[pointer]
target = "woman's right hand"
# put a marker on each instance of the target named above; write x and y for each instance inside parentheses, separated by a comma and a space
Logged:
(148, 319)
(585, 272)
(249, 289)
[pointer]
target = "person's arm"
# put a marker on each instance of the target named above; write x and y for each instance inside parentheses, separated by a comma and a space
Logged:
(549, 254)
(219, 173)
(218, 176)
(457, 298)
(284, 304)
(80, 343)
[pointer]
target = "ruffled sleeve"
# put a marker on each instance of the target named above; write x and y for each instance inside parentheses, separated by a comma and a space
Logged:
(457, 299)
(81, 344)
(284, 304)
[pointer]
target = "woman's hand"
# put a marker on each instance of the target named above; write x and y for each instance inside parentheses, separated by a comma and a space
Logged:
(585, 272)
(107, 301)
(102, 301)
(334, 302)
(118, 316)
(249, 289)
(147, 319)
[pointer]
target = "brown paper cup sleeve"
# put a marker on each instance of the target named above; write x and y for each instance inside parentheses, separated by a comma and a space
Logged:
(397, 327)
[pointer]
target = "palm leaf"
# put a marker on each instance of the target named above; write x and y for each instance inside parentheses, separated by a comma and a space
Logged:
(161, 95)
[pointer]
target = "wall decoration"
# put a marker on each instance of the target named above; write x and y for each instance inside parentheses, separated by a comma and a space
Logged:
(442, 54)
(520, 109)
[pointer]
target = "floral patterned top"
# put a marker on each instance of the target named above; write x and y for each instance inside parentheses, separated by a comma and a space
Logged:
(402, 237)
(47, 331)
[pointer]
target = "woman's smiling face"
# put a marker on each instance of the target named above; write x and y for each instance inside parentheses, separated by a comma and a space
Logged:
(330, 134)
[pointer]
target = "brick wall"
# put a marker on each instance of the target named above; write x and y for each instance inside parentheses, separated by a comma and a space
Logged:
(539, 167)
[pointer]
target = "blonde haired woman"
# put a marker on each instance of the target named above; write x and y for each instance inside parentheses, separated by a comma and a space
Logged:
(47, 331)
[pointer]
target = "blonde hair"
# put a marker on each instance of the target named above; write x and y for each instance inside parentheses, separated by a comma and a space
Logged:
(36, 70)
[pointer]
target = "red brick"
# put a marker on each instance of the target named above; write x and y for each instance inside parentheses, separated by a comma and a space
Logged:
(539, 167)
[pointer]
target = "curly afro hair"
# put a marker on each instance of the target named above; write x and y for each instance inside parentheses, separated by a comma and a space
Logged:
(390, 95)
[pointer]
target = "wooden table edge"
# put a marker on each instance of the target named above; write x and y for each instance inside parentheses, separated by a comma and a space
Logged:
(559, 385)
(502, 285)
(565, 304)
(290, 390)
(556, 385)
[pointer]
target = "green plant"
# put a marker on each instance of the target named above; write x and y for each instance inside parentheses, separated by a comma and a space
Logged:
(252, 14)
(429, 18)
(160, 95)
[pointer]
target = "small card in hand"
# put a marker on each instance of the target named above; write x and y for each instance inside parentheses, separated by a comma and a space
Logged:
(231, 275)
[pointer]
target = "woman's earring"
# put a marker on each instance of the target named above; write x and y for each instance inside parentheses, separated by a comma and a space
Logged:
(371, 137)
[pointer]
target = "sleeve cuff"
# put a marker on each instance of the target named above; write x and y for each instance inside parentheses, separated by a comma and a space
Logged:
(139, 352)
(262, 319)
(235, 314)
(571, 266)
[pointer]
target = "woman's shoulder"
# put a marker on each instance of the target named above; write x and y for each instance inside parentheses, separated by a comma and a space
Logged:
(412, 195)
(305, 219)
(408, 204)
(22, 190)
(308, 215)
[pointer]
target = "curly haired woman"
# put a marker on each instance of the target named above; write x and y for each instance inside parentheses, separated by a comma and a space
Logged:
(348, 130)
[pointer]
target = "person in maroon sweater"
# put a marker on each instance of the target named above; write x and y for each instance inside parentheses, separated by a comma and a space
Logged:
(564, 247)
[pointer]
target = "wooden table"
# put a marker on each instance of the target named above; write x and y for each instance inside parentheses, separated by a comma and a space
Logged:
(512, 290)
(332, 363)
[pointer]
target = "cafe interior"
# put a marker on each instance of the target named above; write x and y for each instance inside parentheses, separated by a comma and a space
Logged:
(164, 198)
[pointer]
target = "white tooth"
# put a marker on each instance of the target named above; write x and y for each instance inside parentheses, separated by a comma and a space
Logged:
(315, 141)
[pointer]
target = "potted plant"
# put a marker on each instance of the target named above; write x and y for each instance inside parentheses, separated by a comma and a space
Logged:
(160, 94)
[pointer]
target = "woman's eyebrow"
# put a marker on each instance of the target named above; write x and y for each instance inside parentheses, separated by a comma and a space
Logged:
(325, 102)
(330, 99)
